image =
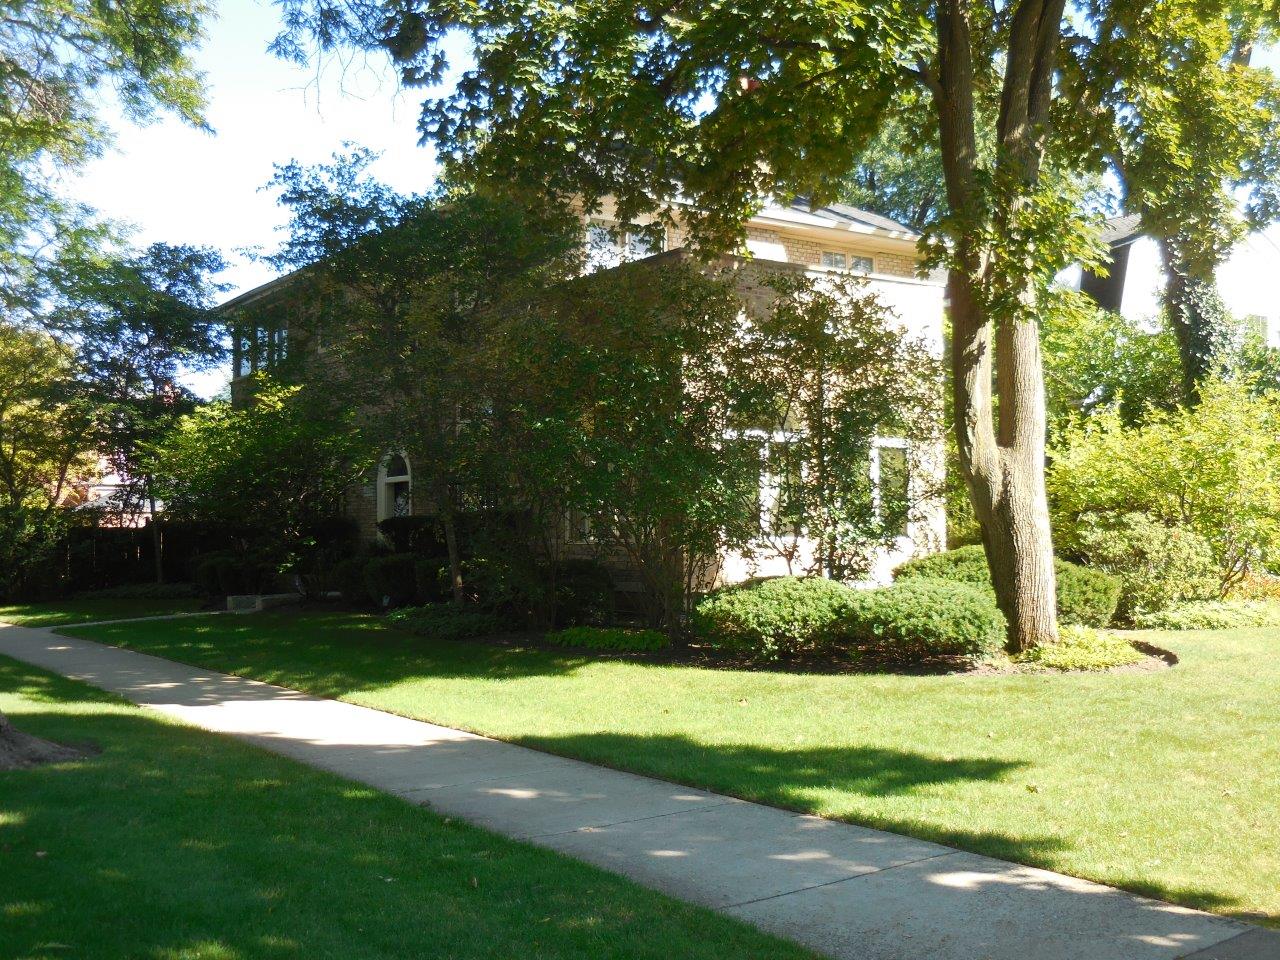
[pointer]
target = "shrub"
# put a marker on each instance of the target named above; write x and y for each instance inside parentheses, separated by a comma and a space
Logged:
(431, 577)
(1258, 585)
(1083, 648)
(962, 565)
(228, 573)
(1214, 468)
(391, 581)
(419, 535)
(142, 591)
(1087, 597)
(1159, 565)
(584, 594)
(446, 621)
(782, 616)
(348, 580)
(609, 638)
(920, 619)
(1212, 615)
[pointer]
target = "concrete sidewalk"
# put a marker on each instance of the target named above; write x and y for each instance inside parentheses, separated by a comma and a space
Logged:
(843, 890)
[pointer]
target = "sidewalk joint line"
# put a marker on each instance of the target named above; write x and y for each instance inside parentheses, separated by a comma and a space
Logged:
(618, 823)
(831, 883)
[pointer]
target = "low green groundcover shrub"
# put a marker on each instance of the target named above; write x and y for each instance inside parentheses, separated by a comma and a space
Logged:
(1083, 648)
(920, 619)
(142, 591)
(446, 621)
(609, 638)
(1212, 615)
(1087, 597)
(778, 617)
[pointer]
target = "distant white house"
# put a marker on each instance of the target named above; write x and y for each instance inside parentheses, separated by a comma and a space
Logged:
(1249, 279)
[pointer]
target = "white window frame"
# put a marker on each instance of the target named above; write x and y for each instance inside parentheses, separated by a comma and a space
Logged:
(849, 262)
(386, 500)
(895, 443)
(770, 483)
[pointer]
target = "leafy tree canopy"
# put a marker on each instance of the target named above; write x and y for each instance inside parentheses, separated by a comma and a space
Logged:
(57, 60)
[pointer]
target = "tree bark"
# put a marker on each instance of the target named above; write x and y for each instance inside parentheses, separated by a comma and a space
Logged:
(444, 504)
(997, 355)
(1197, 316)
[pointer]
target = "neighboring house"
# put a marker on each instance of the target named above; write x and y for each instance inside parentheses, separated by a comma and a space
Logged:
(1134, 285)
(835, 238)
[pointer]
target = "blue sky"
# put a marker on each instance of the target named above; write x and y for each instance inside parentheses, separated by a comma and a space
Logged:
(178, 184)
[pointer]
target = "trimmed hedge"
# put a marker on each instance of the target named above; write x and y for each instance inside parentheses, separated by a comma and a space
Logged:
(609, 638)
(1085, 597)
(392, 581)
(921, 619)
(445, 621)
(142, 591)
(767, 619)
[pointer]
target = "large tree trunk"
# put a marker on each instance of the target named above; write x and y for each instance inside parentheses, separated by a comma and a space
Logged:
(1004, 470)
(18, 749)
(999, 355)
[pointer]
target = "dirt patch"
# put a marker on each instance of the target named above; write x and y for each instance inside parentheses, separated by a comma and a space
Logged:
(19, 750)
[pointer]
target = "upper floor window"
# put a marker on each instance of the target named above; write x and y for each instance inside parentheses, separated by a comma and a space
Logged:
(836, 260)
(609, 245)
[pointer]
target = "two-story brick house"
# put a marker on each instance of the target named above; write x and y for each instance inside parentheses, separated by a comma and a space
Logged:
(832, 239)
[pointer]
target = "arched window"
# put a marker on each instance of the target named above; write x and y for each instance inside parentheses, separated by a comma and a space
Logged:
(395, 487)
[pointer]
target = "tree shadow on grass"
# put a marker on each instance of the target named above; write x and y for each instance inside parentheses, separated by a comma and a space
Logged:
(174, 844)
(794, 779)
(330, 654)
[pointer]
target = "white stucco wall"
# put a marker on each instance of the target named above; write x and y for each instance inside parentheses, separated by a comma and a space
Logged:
(919, 306)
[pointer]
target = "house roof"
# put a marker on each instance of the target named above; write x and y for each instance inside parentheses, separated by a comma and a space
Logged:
(1119, 231)
(842, 213)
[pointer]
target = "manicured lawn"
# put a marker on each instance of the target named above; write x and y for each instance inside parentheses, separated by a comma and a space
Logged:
(175, 844)
(1166, 783)
(88, 611)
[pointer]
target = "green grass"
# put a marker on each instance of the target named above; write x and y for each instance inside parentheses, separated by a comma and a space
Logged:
(66, 612)
(1163, 782)
(176, 844)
